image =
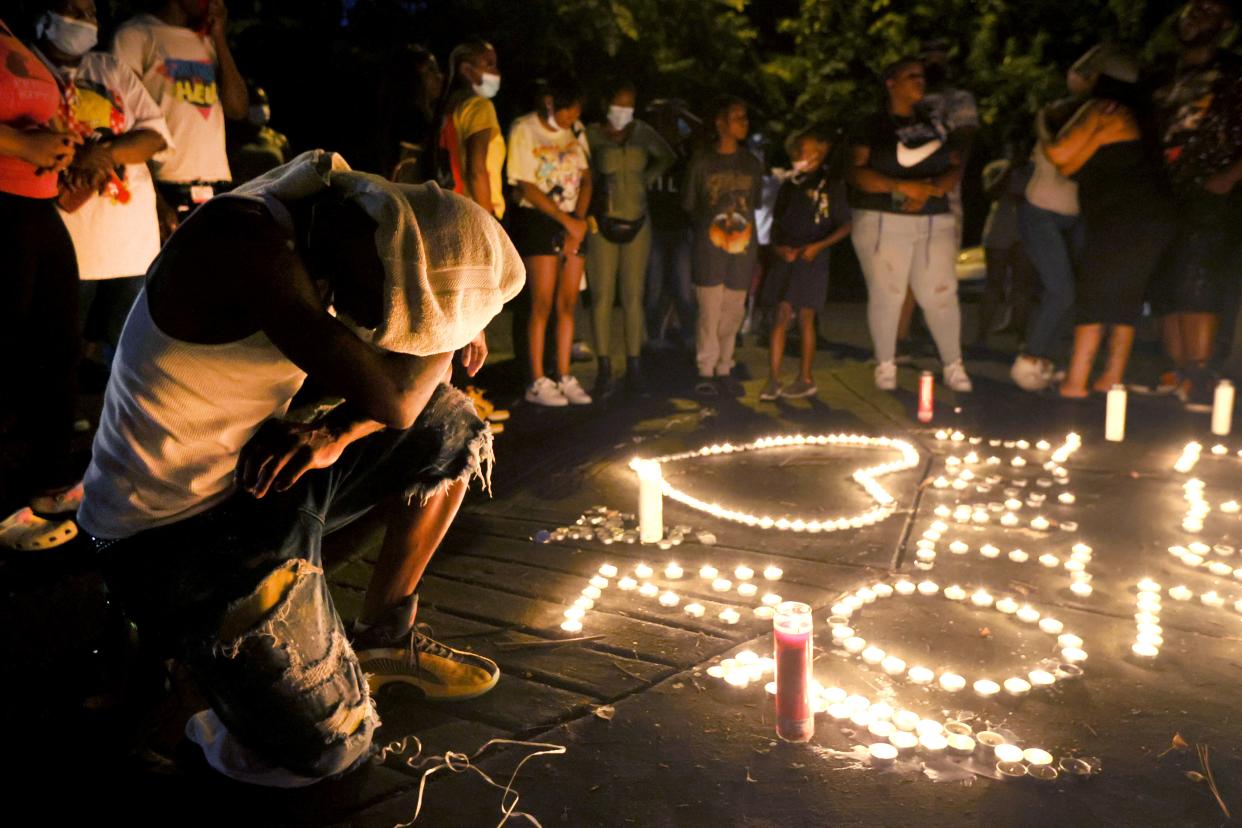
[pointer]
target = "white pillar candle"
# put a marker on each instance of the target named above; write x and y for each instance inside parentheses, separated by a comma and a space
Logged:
(1115, 415)
(1222, 407)
(650, 501)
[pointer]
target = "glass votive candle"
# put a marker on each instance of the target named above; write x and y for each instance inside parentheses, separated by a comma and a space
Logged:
(792, 629)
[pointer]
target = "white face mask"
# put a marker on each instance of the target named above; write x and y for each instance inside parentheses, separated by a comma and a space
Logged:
(487, 86)
(73, 37)
(620, 116)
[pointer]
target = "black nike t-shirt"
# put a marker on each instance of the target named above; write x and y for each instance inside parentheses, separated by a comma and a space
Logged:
(914, 147)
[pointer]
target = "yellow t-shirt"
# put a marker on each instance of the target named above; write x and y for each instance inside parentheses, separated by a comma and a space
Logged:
(474, 115)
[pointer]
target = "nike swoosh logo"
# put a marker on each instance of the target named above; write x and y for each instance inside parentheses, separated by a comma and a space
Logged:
(908, 157)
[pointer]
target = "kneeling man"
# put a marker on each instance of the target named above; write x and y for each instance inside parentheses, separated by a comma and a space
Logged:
(208, 508)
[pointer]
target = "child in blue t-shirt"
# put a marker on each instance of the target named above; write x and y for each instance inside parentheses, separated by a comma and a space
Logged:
(811, 215)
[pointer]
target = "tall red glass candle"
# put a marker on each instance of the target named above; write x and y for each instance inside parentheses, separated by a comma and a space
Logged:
(927, 392)
(795, 722)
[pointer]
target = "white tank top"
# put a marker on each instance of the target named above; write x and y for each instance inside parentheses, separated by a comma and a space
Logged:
(175, 418)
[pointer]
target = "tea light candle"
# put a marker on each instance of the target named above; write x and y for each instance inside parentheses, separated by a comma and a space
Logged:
(903, 740)
(744, 573)
(1041, 678)
(1009, 519)
(989, 738)
(771, 599)
(959, 547)
(893, 665)
(695, 610)
(881, 729)
(574, 612)
(1220, 568)
(882, 754)
(981, 598)
(955, 593)
(1017, 686)
(773, 573)
(1144, 650)
(1019, 556)
(608, 571)
(905, 720)
(920, 675)
(1074, 654)
(873, 655)
(729, 615)
(1081, 588)
(933, 743)
(643, 571)
(866, 595)
(571, 625)
(1049, 560)
(708, 572)
(1051, 626)
(952, 682)
(1008, 753)
(854, 644)
(722, 585)
(986, 687)
(1067, 498)
(747, 590)
(673, 571)
(928, 587)
(842, 632)
(1039, 523)
(1007, 605)
(839, 711)
(882, 590)
(649, 590)
(592, 592)
(584, 602)
(1230, 507)
(1037, 757)
(989, 551)
(626, 584)
(960, 744)
(599, 582)
(1068, 640)
(1028, 614)
(669, 599)
(904, 587)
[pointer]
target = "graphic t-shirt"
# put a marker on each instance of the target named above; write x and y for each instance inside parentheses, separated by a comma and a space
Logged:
(809, 207)
(29, 97)
(178, 67)
(1200, 119)
(908, 148)
(474, 115)
(552, 161)
(721, 193)
(114, 234)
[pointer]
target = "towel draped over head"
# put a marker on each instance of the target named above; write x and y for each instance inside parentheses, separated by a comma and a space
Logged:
(448, 265)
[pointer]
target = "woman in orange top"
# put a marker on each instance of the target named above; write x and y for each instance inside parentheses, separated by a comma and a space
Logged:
(38, 290)
(1123, 208)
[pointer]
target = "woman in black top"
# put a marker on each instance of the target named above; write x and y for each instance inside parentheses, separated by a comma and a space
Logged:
(904, 234)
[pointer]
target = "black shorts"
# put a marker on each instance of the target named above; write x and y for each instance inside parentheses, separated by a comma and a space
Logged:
(535, 233)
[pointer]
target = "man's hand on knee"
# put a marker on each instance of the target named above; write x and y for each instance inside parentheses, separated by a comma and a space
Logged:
(281, 451)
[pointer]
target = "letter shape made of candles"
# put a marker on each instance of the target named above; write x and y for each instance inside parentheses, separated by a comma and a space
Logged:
(792, 624)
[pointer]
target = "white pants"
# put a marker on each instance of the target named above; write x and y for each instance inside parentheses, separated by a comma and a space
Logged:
(720, 318)
(916, 252)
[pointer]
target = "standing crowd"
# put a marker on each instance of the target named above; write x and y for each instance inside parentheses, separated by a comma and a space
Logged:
(207, 502)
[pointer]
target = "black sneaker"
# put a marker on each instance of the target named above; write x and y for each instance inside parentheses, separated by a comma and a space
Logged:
(730, 387)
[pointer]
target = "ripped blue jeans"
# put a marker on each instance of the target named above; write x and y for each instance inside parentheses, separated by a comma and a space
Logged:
(238, 592)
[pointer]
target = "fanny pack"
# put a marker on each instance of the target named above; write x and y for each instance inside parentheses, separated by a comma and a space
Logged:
(620, 231)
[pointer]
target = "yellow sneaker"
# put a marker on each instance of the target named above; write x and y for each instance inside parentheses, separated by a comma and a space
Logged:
(440, 672)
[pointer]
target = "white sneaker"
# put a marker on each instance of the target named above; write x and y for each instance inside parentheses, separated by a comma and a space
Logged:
(886, 376)
(544, 391)
(573, 391)
(1031, 373)
(955, 377)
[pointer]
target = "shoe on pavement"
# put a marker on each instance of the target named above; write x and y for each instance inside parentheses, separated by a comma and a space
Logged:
(1168, 382)
(1031, 373)
(65, 502)
(438, 671)
(25, 531)
(771, 390)
(730, 387)
(1198, 389)
(955, 377)
(544, 391)
(573, 391)
(886, 376)
(799, 388)
(706, 387)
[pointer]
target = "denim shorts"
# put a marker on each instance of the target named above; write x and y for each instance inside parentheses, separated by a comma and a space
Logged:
(238, 592)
